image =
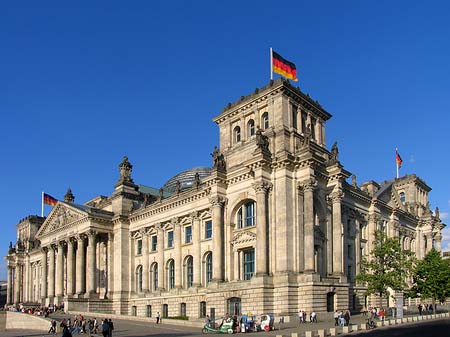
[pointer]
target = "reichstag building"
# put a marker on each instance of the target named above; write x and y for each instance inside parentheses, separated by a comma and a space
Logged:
(276, 224)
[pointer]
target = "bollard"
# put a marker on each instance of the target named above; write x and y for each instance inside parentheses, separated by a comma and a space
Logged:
(392, 322)
(308, 334)
(398, 321)
(354, 328)
(363, 326)
(420, 318)
(379, 323)
(294, 334)
(333, 332)
(386, 322)
(321, 333)
(346, 329)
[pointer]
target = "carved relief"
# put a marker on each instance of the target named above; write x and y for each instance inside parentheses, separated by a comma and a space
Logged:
(243, 238)
(60, 217)
(262, 187)
(217, 201)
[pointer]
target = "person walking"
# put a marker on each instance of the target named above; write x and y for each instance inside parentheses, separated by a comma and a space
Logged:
(105, 328)
(158, 317)
(336, 318)
(111, 327)
(52, 329)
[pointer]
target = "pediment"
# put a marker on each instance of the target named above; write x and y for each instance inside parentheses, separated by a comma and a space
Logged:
(242, 238)
(61, 216)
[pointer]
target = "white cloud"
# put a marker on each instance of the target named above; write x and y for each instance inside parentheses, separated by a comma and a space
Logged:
(412, 159)
(444, 215)
(446, 246)
(446, 235)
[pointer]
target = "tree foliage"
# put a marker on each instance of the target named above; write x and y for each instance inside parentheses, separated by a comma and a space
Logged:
(388, 266)
(432, 278)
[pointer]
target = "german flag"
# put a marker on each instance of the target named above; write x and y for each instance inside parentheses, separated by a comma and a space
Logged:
(398, 159)
(49, 200)
(284, 67)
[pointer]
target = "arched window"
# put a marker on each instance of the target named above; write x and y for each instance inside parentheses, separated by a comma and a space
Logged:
(251, 127)
(208, 267)
(155, 276)
(265, 120)
(171, 274)
(189, 271)
(139, 279)
(402, 197)
(246, 215)
(237, 134)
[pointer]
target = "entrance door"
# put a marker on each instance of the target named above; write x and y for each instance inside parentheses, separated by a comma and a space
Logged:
(234, 306)
(330, 302)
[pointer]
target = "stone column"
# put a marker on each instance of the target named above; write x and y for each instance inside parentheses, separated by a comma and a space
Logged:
(336, 198)
(196, 238)
(235, 265)
(217, 218)
(177, 253)
(9, 286)
(262, 247)
(80, 266)
(438, 239)
(144, 260)
(60, 270)
(429, 242)
(70, 260)
(300, 229)
(51, 272)
(358, 248)
(160, 247)
(17, 277)
(309, 187)
(44, 273)
(92, 259)
(110, 264)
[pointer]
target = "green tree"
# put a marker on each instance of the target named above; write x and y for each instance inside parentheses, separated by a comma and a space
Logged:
(387, 266)
(432, 278)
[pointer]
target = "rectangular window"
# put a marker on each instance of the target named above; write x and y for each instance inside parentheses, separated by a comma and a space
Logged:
(154, 243)
(249, 214)
(249, 263)
(313, 128)
(294, 116)
(208, 229)
(188, 234)
(349, 273)
(349, 251)
(304, 119)
(149, 311)
(170, 239)
(202, 309)
(139, 247)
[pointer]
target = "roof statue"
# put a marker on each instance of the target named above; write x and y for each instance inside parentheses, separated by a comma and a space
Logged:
(307, 135)
(218, 159)
(334, 154)
(69, 197)
(262, 141)
(125, 171)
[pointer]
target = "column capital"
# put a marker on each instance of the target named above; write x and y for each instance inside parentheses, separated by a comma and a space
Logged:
(262, 187)
(175, 221)
(44, 249)
(217, 201)
(80, 237)
(143, 231)
(336, 196)
(62, 243)
(308, 185)
(159, 227)
(53, 246)
(91, 233)
(194, 215)
(71, 240)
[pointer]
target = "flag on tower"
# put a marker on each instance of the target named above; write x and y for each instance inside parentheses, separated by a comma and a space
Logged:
(49, 200)
(282, 66)
(398, 159)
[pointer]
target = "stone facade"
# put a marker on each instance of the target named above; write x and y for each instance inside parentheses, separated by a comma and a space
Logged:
(274, 226)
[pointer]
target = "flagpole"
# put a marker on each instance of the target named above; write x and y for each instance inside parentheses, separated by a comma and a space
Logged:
(396, 162)
(271, 64)
(42, 204)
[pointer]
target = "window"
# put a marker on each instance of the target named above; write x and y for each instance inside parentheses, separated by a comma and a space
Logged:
(237, 134)
(189, 272)
(202, 309)
(402, 197)
(149, 311)
(349, 252)
(171, 274)
(170, 239)
(246, 215)
(234, 306)
(208, 229)
(155, 276)
(251, 127)
(183, 309)
(349, 273)
(249, 263)
(294, 116)
(304, 119)
(188, 234)
(209, 268)
(139, 279)
(154, 243)
(134, 310)
(139, 247)
(265, 120)
(165, 311)
(313, 128)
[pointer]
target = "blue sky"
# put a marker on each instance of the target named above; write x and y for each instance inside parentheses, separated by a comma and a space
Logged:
(83, 84)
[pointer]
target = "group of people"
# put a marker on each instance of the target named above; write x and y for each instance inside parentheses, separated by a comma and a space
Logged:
(425, 309)
(43, 311)
(302, 317)
(79, 325)
(341, 318)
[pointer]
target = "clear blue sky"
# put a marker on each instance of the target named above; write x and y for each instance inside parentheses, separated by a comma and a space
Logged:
(83, 84)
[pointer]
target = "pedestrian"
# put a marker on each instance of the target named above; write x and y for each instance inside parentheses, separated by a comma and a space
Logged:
(105, 328)
(300, 316)
(313, 317)
(347, 317)
(207, 321)
(111, 327)
(95, 326)
(158, 317)
(52, 329)
(336, 318)
(420, 309)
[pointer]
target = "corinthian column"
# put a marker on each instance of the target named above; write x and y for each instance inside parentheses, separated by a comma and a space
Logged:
(44, 273)
(160, 248)
(217, 203)
(70, 260)
(144, 260)
(301, 229)
(196, 238)
(51, 272)
(308, 202)
(60, 269)
(262, 248)
(336, 198)
(92, 268)
(9, 286)
(177, 253)
(80, 267)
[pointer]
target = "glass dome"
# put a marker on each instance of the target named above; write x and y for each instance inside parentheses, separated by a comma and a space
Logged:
(186, 178)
